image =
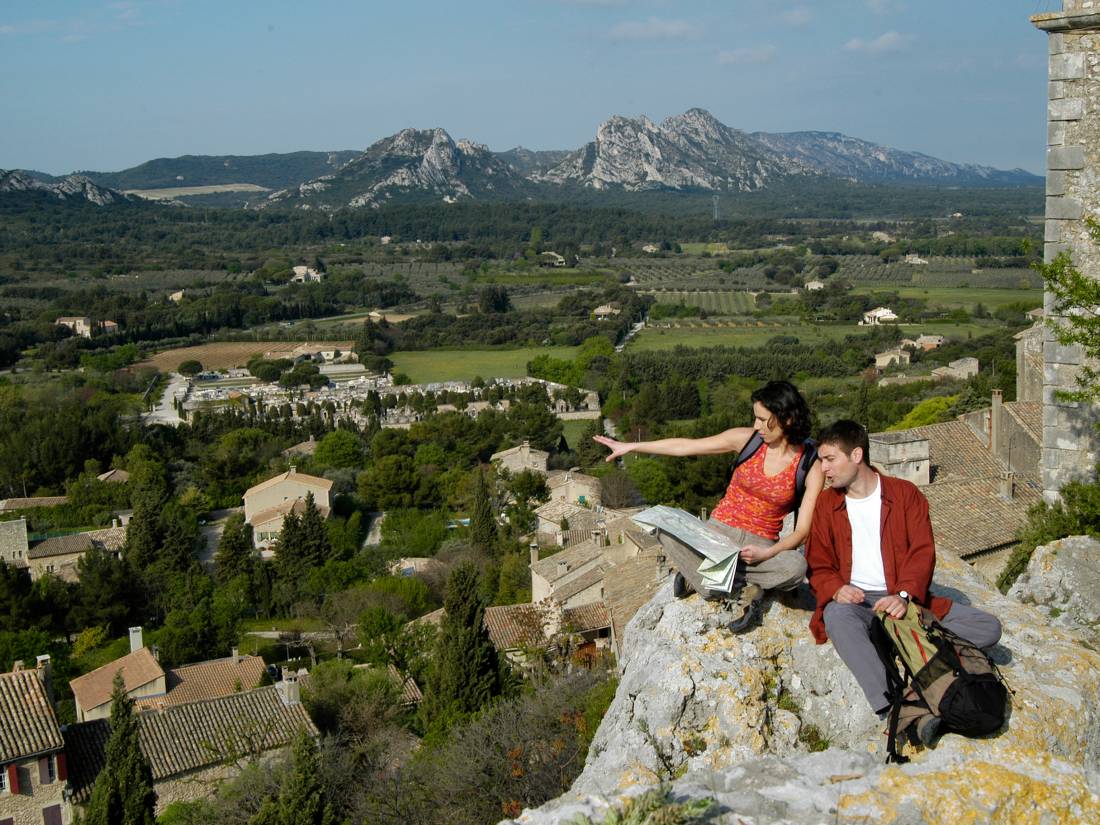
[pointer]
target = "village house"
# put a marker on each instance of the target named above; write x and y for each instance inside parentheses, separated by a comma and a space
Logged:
(574, 487)
(814, 286)
(80, 325)
(559, 520)
(114, 477)
(13, 542)
(177, 296)
(651, 248)
(109, 327)
(193, 748)
(914, 259)
(605, 312)
(268, 503)
(518, 459)
(929, 342)
(303, 448)
(891, 357)
(33, 763)
(960, 369)
(551, 259)
(306, 275)
(142, 677)
(11, 504)
(60, 555)
(877, 316)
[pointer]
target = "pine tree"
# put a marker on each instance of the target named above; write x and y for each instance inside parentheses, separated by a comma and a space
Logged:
(466, 670)
(123, 793)
(301, 796)
(235, 556)
(314, 545)
(483, 524)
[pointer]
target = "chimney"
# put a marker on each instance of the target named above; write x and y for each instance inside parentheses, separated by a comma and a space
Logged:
(136, 642)
(17, 666)
(289, 689)
(45, 672)
(995, 423)
(293, 469)
(597, 538)
(1007, 485)
(236, 655)
(155, 651)
(534, 547)
(702, 514)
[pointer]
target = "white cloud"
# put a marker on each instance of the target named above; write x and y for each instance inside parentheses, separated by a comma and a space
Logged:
(757, 54)
(653, 29)
(891, 41)
(798, 16)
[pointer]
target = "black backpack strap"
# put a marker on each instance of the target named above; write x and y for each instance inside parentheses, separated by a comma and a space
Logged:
(755, 442)
(809, 456)
(895, 687)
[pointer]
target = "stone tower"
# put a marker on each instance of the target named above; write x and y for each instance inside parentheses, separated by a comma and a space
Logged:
(1070, 444)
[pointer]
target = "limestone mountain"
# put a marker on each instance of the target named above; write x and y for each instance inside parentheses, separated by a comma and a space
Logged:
(531, 161)
(414, 164)
(72, 188)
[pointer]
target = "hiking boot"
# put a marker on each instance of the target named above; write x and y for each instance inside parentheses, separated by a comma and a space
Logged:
(750, 603)
(680, 588)
(927, 730)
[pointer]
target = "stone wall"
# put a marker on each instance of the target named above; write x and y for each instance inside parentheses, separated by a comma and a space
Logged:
(25, 807)
(1073, 161)
(13, 541)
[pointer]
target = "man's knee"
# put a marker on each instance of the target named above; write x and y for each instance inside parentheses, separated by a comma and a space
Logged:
(842, 618)
(977, 626)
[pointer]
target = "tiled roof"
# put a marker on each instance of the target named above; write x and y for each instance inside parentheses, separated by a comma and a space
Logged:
(114, 476)
(410, 693)
(1030, 416)
(138, 668)
(291, 475)
(308, 447)
(555, 511)
(28, 503)
(296, 505)
(580, 554)
(970, 517)
(634, 583)
(956, 453)
(28, 725)
(517, 450)
(514, 625)
(590, 578)
(207, 680)
(111, 538)
(185, 738)
(593, 616)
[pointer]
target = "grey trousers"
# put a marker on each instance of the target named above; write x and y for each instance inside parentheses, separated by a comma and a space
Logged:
(849, 629)
(783, 571)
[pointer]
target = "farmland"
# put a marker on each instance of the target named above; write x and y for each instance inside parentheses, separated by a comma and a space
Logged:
(714, 302)
(229, 354)
(756, 335)
(428, 366)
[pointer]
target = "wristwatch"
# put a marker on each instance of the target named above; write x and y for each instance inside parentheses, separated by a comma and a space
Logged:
(904, 595)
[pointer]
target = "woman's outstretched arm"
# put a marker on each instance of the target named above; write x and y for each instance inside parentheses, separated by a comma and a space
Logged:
(729, 441)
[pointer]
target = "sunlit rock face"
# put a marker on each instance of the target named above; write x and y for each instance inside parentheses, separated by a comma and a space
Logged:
(737, 718)
(1063, 581)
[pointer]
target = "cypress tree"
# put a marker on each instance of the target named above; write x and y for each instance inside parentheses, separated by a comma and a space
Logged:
(301, 796)
(483, 525)
(315, 548)
(466, 671)
(235, 555)
(123, 793)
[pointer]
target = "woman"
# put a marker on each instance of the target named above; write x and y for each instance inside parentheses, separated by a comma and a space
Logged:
(761, 493)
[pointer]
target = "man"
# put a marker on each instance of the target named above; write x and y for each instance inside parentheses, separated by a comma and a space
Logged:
(871, 551)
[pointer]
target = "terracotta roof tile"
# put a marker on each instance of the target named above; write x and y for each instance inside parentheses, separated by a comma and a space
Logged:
(28, 503)
(634, 583)
(595, 616)
(1030, 416)
(207, 680)
(185, 738)
(294, 475)
(28, 725)
(565, 561)
(514, 625)
(110, 539)
(590, 578)
(297, 505)
(956, 453)
(138, 668)
(969, 517)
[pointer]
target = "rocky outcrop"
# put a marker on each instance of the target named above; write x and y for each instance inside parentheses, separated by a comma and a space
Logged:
(71, 188)
(741, 718)
(1063, 581)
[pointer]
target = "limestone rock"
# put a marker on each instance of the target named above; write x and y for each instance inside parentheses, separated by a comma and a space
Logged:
(70, 187)
(1063, 580)
(736, 717)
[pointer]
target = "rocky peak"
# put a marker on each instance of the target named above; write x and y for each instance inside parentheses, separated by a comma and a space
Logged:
(740, 718)
(71, 187)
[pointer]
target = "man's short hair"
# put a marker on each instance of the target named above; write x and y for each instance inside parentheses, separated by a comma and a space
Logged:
(847, 435)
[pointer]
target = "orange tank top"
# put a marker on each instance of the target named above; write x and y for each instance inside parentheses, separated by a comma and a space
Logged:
(757, 502)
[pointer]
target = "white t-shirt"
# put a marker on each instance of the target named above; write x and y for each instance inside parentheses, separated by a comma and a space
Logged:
(864, 514)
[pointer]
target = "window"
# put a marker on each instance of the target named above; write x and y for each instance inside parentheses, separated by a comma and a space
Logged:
(47, 770)
(3, 782)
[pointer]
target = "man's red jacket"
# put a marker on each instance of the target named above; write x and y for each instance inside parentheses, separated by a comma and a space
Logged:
(908, 549)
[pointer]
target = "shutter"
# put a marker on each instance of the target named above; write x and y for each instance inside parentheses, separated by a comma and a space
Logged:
(43, 770)
(13, 778)
(62, 768)
(8, 821)
(51, 815)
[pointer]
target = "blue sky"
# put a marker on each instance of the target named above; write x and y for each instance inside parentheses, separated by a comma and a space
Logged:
(108, 85)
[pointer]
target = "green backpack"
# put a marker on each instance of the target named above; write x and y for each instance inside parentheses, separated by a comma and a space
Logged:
(942, 675)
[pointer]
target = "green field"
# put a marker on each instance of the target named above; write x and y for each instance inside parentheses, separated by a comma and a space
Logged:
(429, 366)
(653, 338)
(715, 303)
(572, 430)
(692, 248)
(965, 297)
(547, 276)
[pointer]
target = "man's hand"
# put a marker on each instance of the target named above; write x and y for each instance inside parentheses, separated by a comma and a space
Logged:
(849, 595)
(754, 554)
(892, 606)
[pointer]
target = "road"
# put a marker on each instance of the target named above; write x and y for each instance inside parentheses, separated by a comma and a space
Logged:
(165, 411)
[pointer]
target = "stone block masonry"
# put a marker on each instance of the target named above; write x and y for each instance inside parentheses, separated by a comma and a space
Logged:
(1070, 446)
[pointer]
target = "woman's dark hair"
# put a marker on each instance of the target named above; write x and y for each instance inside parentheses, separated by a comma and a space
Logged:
(783, 400)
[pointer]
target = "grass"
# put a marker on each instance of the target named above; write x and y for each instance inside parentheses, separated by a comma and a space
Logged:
(545, 276)
(282, 625)
(572, 430)
(755, 336)
(430, 366)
